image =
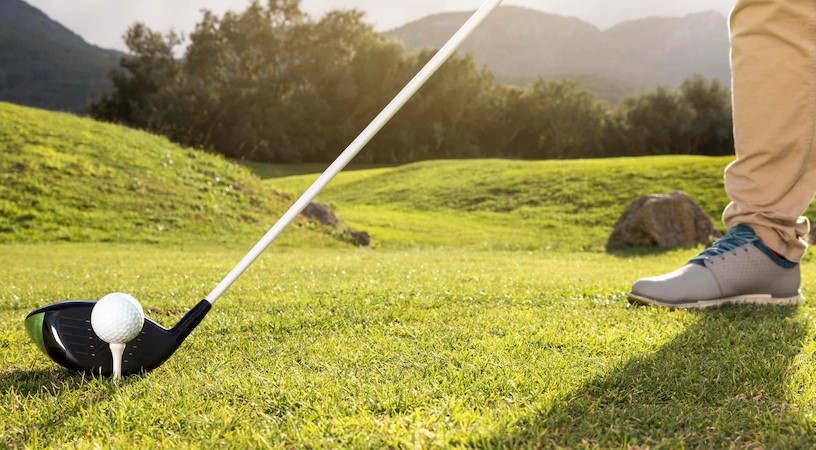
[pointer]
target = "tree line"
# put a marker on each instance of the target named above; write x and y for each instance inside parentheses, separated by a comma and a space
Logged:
(273, 84)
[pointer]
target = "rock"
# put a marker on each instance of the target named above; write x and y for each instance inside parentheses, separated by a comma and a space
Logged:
(322, 214)
(666, 221)
(359, 238)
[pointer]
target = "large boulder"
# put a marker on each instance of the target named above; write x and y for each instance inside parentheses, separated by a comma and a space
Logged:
(666, 221)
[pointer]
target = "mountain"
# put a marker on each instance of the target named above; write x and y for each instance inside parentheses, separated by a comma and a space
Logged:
(519, 44)
(45, 65)
(674, 48)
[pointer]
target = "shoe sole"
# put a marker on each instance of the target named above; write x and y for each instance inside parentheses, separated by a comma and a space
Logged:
(758, 299)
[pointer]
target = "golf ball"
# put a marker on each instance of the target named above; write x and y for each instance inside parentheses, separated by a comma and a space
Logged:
(117, 318)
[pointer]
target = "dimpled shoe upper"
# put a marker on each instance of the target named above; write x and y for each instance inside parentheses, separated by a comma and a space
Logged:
(738, 264)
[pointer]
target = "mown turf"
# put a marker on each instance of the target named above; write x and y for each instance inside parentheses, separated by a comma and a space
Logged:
(487, 316)
(521, 205)
(287, 170)
(404, 349)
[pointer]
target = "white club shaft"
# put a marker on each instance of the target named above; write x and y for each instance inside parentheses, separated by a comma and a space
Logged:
(354, 148)
(117, 351)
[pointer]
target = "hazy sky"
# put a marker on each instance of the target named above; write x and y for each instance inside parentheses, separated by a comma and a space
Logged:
(102, 22)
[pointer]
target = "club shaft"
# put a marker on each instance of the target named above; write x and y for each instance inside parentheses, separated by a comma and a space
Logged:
(357, 145)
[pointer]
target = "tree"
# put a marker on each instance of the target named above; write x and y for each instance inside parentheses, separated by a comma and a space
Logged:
(150, 65)
(712, 126)
(557, 121)
(350, 72)
(244, 64)
(696, 119)
(270, 83)
(444, 119)
(656, 123)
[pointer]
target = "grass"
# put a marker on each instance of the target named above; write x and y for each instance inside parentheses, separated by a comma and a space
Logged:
(510, 205)
(348, 348)
(488, 315)
(64, 178)
(267, 171)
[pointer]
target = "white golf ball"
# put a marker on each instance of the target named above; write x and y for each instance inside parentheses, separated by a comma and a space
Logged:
(117, 318)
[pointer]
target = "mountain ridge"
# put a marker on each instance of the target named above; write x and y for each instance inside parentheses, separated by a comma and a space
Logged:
(46, 65)
(520, 44)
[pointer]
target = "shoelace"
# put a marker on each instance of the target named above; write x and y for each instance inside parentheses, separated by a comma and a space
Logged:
(738, 236)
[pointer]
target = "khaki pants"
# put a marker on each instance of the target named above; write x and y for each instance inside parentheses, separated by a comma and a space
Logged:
(773, 60)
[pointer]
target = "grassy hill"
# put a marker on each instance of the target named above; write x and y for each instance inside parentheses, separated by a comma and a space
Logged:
(72, 179)
(64, 178)
(500, 204)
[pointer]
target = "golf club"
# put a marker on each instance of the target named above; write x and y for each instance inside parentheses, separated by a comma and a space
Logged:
(63, 330)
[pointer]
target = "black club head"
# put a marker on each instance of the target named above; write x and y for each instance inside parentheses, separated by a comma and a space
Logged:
(63, 331)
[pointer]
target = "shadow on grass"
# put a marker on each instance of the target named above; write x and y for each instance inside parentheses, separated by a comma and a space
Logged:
(36, 382)
(40, 402)
(721, 383)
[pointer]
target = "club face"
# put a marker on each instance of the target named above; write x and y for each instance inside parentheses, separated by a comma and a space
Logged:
(63, 331)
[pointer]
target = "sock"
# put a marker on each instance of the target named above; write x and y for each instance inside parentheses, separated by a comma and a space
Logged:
(780, 255)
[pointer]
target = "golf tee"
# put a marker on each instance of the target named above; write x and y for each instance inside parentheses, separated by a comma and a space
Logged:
(117, 351)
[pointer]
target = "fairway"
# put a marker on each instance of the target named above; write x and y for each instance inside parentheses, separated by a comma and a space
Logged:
(367, 227)
(487, 312)
(346, 348)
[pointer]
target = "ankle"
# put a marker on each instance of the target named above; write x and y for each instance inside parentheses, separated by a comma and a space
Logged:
(775, 256)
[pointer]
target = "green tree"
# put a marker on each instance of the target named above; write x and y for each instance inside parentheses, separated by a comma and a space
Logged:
(350, 73)
(243, 64)
(446, 117)
(556, 120)
(712, 126)
(272, 84)
(656, 123)
(150, 66)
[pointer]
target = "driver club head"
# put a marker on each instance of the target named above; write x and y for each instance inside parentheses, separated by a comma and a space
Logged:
(63, 332)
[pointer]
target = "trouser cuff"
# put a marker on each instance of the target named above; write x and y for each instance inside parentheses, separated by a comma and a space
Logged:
(792, 251)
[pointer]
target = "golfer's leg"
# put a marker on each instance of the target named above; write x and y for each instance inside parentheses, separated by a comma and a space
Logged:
(773, 46)
(773, 59)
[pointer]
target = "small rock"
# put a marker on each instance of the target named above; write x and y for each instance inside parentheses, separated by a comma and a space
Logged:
(322, 214)
(666, 221)
(359, 238)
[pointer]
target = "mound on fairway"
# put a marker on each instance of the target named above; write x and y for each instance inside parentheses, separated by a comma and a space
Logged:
(513, 205)
(75, 179)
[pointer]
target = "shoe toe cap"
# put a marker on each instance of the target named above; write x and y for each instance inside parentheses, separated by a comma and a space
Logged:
(690, 282)
(654, 288)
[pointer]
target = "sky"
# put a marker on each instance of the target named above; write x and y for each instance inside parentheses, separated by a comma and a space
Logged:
(103, 22)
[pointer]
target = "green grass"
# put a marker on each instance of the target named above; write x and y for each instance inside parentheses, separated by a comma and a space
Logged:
(268, 171)
(72, 179)
(64, 178)
(347, 348)
(488, 315)
(516, 205)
